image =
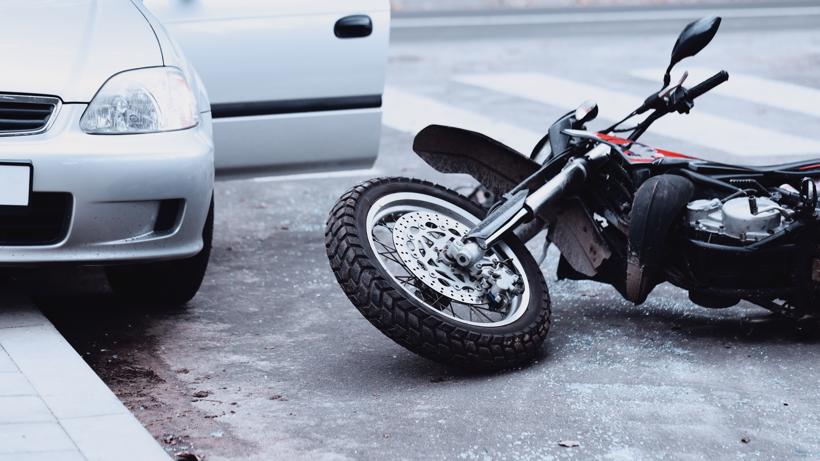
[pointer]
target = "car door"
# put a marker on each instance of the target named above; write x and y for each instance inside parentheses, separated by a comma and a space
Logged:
(294, 85)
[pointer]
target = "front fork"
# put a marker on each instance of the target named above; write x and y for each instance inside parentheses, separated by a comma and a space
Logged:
(522, 206)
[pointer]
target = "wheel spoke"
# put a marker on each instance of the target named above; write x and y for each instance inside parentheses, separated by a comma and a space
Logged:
(389, 251)
(473, 308)
(392, 256)
(384, 245)
(407, 280)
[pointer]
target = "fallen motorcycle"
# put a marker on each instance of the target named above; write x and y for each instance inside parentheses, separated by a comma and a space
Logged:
(454, 282)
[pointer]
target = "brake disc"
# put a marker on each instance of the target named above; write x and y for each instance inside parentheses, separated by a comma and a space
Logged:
(420, 238)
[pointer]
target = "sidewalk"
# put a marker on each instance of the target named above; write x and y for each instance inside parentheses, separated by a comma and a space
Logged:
(52, 405)
(432, 6)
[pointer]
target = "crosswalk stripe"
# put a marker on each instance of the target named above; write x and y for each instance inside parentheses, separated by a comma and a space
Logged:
(782, 95)
(587, 17)
(737, 138)
(369, 172)
(410, 113)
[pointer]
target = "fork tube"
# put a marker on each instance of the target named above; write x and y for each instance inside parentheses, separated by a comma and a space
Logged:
(519, 217)
(558, 187)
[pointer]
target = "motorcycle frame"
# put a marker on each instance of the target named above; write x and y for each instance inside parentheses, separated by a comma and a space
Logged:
(551, 195)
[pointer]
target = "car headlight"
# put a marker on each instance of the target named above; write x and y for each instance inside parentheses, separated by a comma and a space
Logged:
(146, 100)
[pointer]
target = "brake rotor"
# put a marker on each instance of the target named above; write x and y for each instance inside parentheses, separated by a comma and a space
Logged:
(420, 238)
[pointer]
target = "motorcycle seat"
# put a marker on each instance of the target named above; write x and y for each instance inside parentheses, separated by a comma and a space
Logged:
(810, 167)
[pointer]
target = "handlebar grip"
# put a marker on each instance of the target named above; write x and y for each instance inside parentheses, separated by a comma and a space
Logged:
(708, 85)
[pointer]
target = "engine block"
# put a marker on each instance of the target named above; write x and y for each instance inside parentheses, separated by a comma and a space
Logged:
(745, 219)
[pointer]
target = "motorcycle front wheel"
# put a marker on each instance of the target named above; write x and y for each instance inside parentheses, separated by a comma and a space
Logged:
(384, 238)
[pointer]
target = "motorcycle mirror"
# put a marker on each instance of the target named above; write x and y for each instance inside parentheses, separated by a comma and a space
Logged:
(694, 38)
(586, 112)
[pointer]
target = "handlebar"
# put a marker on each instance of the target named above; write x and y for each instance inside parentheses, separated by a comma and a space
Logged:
(707, 85)
(675, 98)
(661, 100)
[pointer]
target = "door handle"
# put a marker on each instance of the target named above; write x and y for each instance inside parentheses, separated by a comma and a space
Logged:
(355, 26)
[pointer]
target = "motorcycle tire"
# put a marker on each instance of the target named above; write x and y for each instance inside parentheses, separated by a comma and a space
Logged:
(413, 321)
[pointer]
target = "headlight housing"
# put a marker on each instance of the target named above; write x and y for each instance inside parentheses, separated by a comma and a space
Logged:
(149, 100)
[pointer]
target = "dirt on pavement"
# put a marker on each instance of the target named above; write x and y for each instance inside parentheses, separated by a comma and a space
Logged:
(122, 350)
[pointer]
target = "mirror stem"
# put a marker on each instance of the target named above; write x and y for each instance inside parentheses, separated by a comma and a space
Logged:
(667, 77)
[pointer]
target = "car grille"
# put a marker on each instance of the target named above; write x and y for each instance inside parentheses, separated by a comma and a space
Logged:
(24, 114)
(43, 222)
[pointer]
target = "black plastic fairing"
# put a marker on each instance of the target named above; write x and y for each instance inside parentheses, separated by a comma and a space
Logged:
(496, 166)
(559, 142)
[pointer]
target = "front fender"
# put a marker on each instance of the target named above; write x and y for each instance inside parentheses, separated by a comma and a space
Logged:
(496, 166)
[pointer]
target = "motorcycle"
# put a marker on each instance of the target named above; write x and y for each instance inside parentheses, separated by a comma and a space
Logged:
(454, 282)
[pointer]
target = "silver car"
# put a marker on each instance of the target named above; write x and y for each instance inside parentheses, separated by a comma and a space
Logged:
(106, 151)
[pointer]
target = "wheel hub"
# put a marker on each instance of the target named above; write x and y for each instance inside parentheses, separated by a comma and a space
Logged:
(421, 239)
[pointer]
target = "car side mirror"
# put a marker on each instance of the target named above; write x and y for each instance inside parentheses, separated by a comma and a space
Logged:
(694, 38)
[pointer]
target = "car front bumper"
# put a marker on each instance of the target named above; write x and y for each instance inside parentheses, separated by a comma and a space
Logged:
(117, 184)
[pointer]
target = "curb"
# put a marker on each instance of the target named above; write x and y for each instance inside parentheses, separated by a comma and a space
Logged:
(52, 405)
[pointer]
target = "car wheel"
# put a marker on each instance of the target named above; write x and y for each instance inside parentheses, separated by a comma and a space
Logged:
(164, 283)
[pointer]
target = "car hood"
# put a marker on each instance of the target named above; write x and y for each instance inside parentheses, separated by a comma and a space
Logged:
(69, 48)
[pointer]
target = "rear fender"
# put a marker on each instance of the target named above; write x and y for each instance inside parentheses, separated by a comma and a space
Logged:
(658, 203)
(496, 166)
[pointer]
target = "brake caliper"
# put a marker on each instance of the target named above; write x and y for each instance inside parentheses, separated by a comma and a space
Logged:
(500, 284)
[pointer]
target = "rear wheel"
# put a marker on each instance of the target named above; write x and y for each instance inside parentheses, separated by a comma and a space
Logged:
(164, 283)
(385, 240)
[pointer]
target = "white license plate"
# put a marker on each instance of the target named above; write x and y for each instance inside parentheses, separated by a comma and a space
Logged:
(15, 184)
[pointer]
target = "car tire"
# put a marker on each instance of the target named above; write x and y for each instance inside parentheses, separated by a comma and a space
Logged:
(165, 283)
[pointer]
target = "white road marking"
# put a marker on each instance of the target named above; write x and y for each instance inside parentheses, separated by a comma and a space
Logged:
(321, 175)
(599, 17)
(699, 128)
(759, 90)
(410, 113)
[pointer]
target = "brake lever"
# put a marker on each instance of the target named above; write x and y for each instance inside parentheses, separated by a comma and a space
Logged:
(668, 90)
(654, 101)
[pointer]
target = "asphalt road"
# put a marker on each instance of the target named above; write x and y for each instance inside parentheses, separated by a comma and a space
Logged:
(270, 360)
